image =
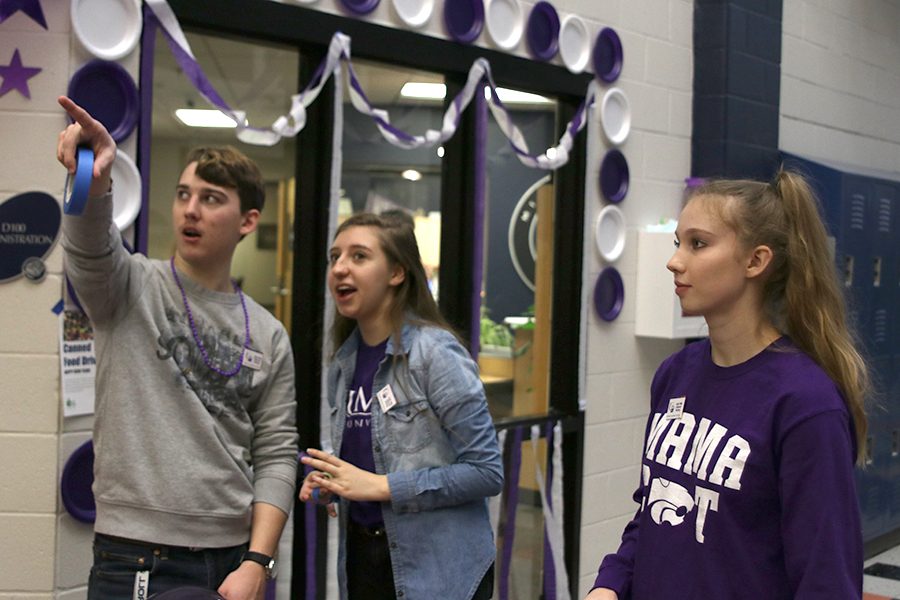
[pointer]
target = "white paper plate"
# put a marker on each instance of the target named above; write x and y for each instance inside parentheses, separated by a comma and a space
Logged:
(414, 13)
(505, 22)
(126, 191)
(615, 115)
(609, 234)
(574, 43)
(108, 29)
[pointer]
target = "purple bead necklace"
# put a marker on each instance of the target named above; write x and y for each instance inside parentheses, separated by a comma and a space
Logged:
(187, 307)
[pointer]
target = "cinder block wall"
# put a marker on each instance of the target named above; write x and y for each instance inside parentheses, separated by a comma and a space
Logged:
(45, 553)
(840, 84)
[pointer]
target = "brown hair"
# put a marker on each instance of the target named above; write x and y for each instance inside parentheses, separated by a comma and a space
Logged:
(412, 298)
(802, 293)
(229, 167)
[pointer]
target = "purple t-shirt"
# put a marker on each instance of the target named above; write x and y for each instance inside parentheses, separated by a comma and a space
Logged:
(747, 488)
(356, 447)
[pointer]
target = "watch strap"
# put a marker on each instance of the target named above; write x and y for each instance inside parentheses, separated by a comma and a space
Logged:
(267, 562)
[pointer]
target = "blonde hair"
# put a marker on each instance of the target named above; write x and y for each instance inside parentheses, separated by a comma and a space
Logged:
(802, 292)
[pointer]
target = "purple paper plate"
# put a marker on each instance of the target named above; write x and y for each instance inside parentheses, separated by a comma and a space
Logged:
(614, 176)
(542, 31)
(609, 294)
(360, 7)
(108, 92)
(464, 19)
(608, 55)
(189, 592)
(75, 484)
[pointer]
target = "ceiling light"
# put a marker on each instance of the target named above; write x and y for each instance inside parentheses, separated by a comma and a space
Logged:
(423, 91)
(197, 117)
(508, 96)
(411, 174)
(438, 91)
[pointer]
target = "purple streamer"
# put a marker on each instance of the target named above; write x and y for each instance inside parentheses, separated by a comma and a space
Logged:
(148, 45)
(309, 534)
(512, 505)
(478, 192)
(195, 74)
(309, 524)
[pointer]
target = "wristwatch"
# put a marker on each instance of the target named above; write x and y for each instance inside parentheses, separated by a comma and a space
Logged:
(267, 562)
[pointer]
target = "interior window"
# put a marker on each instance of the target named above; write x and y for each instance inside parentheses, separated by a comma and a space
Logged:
(258, 79)
(378, 177)
(518, 255)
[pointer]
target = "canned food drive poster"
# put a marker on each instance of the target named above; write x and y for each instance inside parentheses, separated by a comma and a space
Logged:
(78, 364)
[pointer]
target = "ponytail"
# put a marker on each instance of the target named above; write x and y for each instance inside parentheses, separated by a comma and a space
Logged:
(820, 328)
(803, 295)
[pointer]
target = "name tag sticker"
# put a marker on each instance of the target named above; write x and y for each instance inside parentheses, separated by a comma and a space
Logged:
(676, 408)
(386, 398)
(252, 359)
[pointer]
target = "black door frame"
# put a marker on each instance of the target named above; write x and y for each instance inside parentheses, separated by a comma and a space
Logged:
(310, 31)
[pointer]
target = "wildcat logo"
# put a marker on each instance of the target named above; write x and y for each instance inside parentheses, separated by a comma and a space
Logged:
(668, 502)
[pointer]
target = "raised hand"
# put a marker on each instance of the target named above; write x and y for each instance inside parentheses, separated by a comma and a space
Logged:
(86, 131)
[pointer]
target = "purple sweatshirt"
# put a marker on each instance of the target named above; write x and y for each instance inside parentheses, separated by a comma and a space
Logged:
(747, 486)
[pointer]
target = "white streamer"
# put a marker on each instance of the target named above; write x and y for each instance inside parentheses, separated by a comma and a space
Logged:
(553, 515)
(291, 124)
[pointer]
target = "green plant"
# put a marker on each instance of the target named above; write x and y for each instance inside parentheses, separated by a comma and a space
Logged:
(492, 333)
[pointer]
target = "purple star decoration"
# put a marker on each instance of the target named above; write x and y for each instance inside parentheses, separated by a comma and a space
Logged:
(32, 8)
(15, 76)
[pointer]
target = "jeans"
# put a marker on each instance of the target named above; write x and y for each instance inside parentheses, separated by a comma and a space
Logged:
(369, 575)
(117, 560)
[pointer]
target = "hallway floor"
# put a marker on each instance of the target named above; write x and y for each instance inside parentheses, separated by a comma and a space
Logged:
(884, 583)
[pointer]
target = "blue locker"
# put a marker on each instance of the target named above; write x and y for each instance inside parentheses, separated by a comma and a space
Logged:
(881, 224)
(873, 486)
(854, 253)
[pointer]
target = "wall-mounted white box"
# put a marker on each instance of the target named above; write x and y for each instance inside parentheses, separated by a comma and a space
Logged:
(657, 308)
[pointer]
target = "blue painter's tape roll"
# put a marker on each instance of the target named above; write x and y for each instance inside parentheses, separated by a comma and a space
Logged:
(75, 200)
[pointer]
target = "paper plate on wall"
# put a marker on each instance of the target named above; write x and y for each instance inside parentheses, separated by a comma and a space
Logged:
(574, 43)
(108, 29)
(360, 7)
(614, 176)
(108, 92)
(609, 294)
(464, 19)
(609, 233)
(615, 115)
(542, 31)
(126, 191)
(75, 484)
(414, 13)
(608, 55)
(504, 22)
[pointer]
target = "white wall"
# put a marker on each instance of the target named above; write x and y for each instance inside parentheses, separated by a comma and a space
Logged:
(44, 551)
(840, 82)
(34, 440)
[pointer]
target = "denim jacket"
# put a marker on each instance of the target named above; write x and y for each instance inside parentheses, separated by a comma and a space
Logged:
(439, 449)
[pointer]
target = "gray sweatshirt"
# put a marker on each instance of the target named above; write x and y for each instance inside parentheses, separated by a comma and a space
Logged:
(181, 452)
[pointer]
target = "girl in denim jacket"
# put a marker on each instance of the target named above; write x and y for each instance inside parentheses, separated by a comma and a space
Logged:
(417, 454)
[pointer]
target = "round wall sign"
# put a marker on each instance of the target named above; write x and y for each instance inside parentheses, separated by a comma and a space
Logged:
(29, 226)
(523, 233)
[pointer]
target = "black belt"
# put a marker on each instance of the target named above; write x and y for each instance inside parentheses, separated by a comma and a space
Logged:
(374, 532)
(121, 540)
